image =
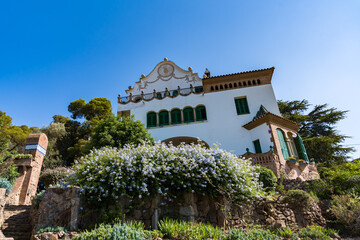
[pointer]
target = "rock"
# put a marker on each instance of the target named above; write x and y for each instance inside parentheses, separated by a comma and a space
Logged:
(54, 236)
(187, 211)
(61, 234)
(335, 235)
(280, 224)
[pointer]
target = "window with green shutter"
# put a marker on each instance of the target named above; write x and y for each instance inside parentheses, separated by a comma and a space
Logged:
(257, 146)
(283, 145)
(159, 96)
(200, 113)
(176, 116)
(301, 148)
(163, 118)
(188, 115)
(242, 106)
(151, 119)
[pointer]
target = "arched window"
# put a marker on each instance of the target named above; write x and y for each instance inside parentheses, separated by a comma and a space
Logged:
(235, 85)
(159, 96)
(292, 145)
(254, 83)
(283, 145)
(163, 118)
(175, 93)
(216, 87)
(230, 85)
(212, 88)
(151, 119)
(188, 114)
(249, 83)
(175, 116)
(258, 81)
(244, 83)
(226, 86)
(200, 113)
(221, 87)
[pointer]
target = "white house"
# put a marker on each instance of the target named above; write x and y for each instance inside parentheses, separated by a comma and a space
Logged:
(238, 111)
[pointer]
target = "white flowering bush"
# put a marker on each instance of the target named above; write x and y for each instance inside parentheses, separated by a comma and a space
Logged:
(140, 171)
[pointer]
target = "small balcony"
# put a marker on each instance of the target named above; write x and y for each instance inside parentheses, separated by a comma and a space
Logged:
(262, 158)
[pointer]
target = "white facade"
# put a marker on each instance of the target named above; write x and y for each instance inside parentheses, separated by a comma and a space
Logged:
(223, 124)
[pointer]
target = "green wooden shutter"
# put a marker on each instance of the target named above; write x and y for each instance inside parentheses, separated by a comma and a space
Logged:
(241, 106)
(163, 118)
(283, 145)
(151, 119)
(257, 146)
(188, 115)
(300, 147)
(200, 113)
(175, 116)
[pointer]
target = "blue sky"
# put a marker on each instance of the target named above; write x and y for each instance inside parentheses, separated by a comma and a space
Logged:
(55, 52)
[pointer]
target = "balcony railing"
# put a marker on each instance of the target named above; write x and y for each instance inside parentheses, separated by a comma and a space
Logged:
(259, 158)
(160, 95)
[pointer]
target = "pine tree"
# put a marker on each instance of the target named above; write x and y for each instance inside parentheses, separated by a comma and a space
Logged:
(318, 131)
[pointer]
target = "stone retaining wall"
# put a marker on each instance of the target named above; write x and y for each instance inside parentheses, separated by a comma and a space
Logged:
(62, 207)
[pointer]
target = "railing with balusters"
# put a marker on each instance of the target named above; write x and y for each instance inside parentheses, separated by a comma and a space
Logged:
(160, 95)
(258, 158)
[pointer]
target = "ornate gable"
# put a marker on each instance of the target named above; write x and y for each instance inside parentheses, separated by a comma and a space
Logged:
(168, 75)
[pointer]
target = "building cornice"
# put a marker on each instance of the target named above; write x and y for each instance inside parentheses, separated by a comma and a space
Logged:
(238, 80)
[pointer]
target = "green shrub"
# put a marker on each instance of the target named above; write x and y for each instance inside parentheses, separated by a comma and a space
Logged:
(252, 234)
(285, 232)
(316, 233)
(346, 210)
(53, 176)
(298, 197)
(51, 229)
(4, 183)
(353, 184)
(267, 177)
(112, 232)
(321, 189)
(138, 172)
(37, 199)
(175, 229)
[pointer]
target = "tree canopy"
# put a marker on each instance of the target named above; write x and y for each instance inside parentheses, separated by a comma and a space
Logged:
(318, 131)
(116, 132)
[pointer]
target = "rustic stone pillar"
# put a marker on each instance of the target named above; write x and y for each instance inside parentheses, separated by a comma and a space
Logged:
(26, 184)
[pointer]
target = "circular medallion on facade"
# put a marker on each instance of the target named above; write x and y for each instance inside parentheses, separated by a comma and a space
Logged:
(166, 70)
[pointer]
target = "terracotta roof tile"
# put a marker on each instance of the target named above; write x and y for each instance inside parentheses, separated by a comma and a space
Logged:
(231, 74)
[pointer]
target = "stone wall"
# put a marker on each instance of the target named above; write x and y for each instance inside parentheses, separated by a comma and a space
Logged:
(59, 207)
(3, 200)
(62, 207)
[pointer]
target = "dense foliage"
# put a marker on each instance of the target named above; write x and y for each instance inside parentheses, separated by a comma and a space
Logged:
(4, 183)
(337, 179)
(294, 197)
(53, 176)
(174, 229)
(116, 132)
(346, 209)
(318, 130)
(140, 171)
(119, 231)
(267, 177)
